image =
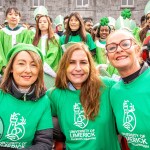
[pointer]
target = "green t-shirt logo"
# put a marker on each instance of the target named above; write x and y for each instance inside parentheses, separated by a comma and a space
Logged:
(129, 119)
(16, 128)
(79, 118)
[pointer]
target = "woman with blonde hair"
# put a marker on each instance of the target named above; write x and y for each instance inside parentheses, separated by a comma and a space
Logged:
(80, 101)
(130, 96)
(25, 114)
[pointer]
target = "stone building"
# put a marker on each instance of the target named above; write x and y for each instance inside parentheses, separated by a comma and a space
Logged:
(87, 8)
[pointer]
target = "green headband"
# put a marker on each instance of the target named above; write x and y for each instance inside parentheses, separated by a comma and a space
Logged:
(23, 47)
(104, 21)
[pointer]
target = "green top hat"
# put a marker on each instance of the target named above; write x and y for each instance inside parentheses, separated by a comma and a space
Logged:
(124, 21)
(112, 21)
(147, 8)
(59, 20)
(41, 10)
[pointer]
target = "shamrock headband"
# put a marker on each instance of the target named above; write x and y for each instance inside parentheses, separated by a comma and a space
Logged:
(104, 21)
(126, 13)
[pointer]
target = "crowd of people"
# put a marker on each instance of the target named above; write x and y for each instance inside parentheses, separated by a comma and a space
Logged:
(67, 84)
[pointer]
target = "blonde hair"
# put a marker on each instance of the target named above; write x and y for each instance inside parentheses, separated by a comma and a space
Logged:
(131, 36)
(90, 89)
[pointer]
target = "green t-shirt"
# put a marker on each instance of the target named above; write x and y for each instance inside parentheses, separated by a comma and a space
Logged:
(131, 106)
(77, 38)
(19, 120)
(81, 133)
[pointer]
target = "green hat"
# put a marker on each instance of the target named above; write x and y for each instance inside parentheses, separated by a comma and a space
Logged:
(147, 8)
(59, 20)
(41, 10)
(132, 24)
(112, 21)
(24, 47)
(122, 23)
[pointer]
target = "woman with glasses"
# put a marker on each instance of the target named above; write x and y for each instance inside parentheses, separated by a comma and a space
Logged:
(130, 97)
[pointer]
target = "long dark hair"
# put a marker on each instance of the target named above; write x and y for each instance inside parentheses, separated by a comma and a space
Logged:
(81, 30)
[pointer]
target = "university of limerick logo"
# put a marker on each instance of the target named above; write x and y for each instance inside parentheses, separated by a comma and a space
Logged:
(16, 128)
(129, 119)
(79, 118)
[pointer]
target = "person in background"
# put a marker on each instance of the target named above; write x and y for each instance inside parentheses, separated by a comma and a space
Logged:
(94, 32)
(75, 32)
(66, 21)
(146, 50)
(101, 60)
(102, 33)
(79, 112)
(129, 100)
(25, 113)
(48, 42)
(88, 24)
(142, 21)
(144, 32)
(59, 25)
(12, 33)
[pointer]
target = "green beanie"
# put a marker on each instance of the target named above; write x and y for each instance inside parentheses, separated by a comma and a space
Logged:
(24, 47)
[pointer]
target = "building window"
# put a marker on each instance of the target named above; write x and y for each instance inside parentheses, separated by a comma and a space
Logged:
(82, 3)
(36, 3)
(127, 3)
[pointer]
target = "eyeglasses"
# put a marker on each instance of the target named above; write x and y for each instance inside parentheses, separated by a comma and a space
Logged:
(124, 44)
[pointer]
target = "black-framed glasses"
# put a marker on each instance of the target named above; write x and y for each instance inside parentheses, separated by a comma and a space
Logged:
(124, 44)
